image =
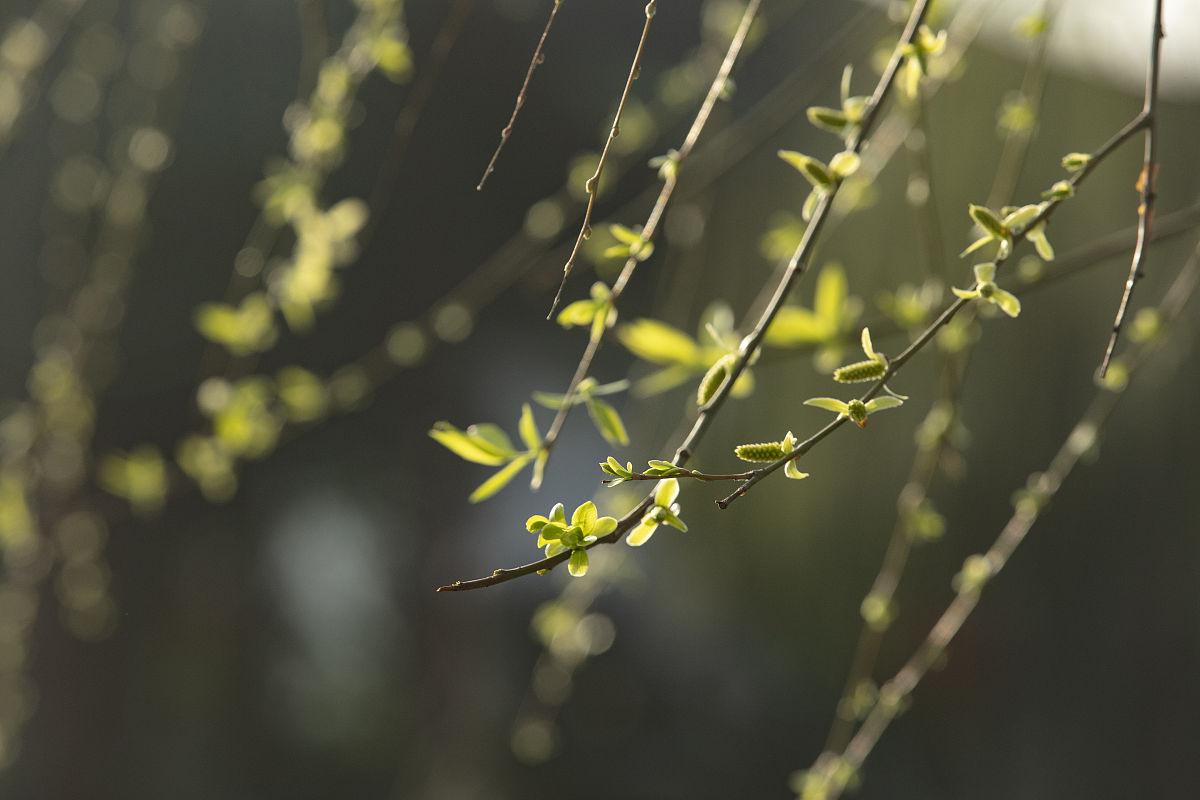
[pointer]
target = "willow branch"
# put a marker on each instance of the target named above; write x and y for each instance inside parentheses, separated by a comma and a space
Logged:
(897, 364)
(796, 268)
(1014, 532)
(592, 186)
(954, 367)
(650, 227)
(1146, 183)
(539, 55)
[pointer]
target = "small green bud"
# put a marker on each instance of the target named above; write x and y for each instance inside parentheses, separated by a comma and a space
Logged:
(1074, 162)
(713, 379)
(856, 410)
(975, 572)
(877, 611)
(1061, 190)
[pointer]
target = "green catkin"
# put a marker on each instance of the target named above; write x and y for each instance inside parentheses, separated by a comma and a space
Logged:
(760, 452)
(713, 379)
(860, 371)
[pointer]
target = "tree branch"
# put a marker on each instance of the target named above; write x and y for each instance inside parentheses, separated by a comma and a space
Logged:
(650, 227)
(1014, 532)
(535, 61)
(593, 183)
(896, 364)
(1146, 183)
(796, 268)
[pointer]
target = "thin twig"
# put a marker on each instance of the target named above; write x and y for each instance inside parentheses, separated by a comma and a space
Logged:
(954, 367)
(797, 266)
(592, 185)
(684, 473)
(650, 227)
(1145, 184)
(539, 55)
(1014, 532)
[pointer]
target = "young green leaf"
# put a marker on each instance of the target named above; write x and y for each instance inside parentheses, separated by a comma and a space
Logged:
(473, 448)
(578, 564)
(499, 479)
(607, 421)
(527, 427)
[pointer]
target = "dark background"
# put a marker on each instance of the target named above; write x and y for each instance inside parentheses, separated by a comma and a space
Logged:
(289, 644)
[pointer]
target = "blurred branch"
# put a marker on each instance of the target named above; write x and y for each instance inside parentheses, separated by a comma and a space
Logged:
(878, 606)
(978, 570)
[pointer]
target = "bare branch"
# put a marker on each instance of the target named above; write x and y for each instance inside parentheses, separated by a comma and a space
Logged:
(539, 55)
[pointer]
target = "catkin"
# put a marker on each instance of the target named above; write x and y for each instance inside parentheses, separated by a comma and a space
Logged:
(860, 371)
(760, 452)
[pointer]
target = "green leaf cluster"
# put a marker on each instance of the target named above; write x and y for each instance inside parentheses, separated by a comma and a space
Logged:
(488, 444)
(986, 289)
(620, 474)
(663, 511)
(630, 244)
(843, 121)
(855, 410)
(556, 535)
(823, 177)
(925, 46)
(606, 419)
(597, 312)
(682, 357)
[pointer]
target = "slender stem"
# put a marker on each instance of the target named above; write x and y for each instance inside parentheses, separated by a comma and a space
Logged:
(795, 270)
(592, 186)
(1014, 532)
(686, 473)
(1146, 183)
(650, 227)
(539, 55)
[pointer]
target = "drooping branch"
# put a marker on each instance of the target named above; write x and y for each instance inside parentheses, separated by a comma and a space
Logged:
(878, 606)
(592, 186)
(650, 226)
(539, 55)
(978, 570)
(897, 364)
(1146, 181)
(796, 268)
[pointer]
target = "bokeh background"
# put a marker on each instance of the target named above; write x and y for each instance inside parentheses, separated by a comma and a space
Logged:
(288, 643)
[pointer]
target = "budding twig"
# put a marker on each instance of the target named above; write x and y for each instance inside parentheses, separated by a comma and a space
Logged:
(896, 364)
(795, 270)
(1146, 181)
(539, 55)
(650, 227)
(593, 183)
(1010, 537)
